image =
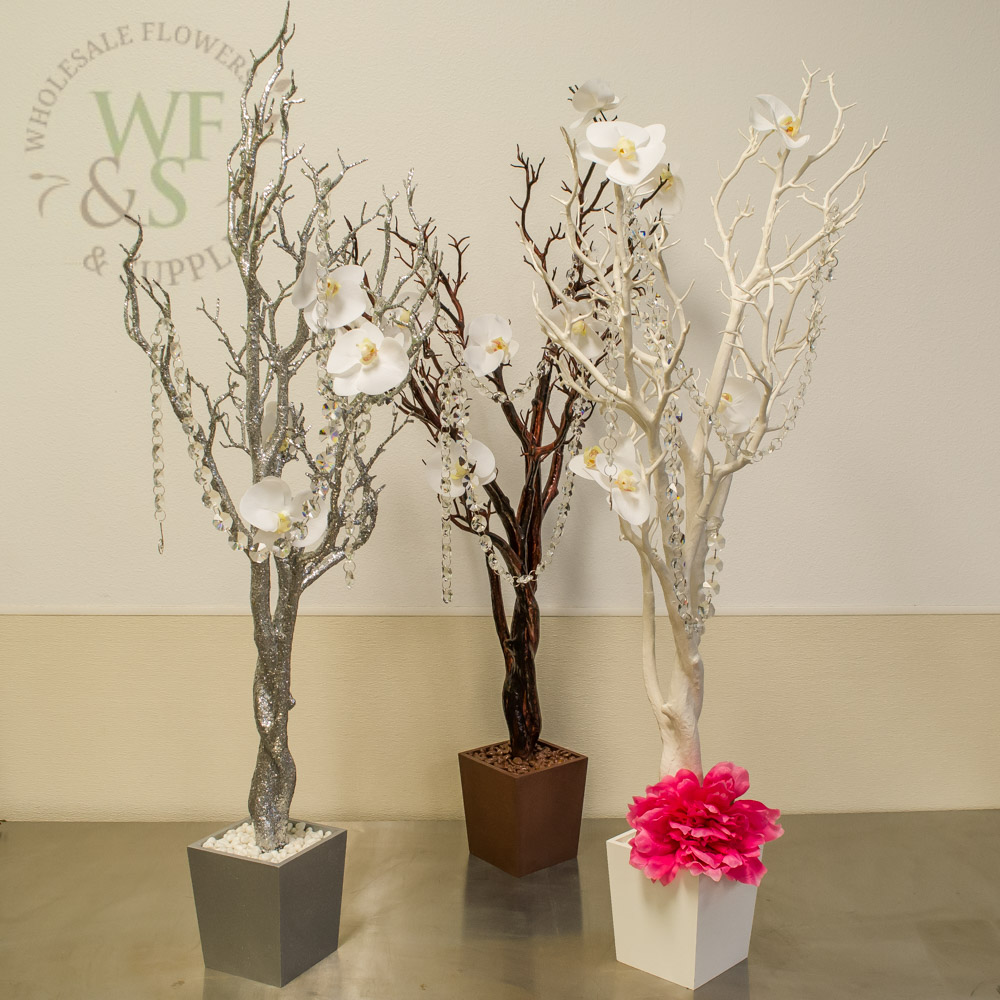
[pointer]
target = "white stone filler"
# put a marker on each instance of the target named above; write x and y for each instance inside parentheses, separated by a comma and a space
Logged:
(240, 840)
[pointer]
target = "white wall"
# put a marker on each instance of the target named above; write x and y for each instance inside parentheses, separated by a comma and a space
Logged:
(879, 500)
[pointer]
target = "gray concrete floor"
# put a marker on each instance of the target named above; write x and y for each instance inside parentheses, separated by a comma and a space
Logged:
(870, 906)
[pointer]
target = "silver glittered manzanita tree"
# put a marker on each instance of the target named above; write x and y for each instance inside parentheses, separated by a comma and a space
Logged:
(323, 317)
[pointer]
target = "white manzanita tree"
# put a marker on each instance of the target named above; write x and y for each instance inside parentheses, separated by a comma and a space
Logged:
(667, 484)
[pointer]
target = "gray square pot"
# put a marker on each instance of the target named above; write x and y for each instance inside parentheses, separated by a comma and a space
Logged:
(264, 921)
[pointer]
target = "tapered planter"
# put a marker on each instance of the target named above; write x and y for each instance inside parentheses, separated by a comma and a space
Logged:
(687, 932)
(523, 822)
(269, 921)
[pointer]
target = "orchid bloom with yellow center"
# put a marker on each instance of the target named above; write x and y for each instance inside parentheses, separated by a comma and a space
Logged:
(664, 191)
(369, 352)
(270, 506)
(625, 148)
(477, 467)
(460, 470)
(739, 405)
(489, 344)
(773, 115)
(629, 152)
(618, 474)
(364, 359)
(626, 481)
(575, 320)
(330, 300)
(790, 125)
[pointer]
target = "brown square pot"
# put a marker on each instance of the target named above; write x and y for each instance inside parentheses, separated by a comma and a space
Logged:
(522, 823)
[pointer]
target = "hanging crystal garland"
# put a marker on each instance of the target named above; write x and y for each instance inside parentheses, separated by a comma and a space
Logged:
(709, 590)
(181, 386)
(453, 447)
(491, 392)
(353, 471)
(654, 320)
(156, 415)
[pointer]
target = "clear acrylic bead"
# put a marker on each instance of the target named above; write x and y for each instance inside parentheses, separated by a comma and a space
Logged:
(258, 552)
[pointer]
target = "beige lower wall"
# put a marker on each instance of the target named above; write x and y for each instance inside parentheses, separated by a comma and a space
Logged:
(149, 718)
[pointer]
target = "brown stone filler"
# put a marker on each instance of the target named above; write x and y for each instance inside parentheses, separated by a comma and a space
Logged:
(498, 754)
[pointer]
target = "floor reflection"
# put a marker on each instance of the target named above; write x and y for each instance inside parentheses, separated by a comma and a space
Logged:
(498, 905)
(731, 985)
(849, 909)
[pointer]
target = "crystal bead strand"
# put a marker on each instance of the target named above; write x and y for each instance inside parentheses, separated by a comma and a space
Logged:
(674, 541)
(454, 413)
(713, 567)
(491, 392)
(181, 382)
(362, 425)
(156, 415)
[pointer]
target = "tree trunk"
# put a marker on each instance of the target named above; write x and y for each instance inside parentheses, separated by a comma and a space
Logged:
(520, 692)
(273, 781)
(680, 712)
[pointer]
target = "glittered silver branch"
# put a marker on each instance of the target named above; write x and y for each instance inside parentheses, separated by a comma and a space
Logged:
(257, 414)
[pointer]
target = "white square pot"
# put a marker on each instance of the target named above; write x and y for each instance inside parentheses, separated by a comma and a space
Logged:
(687, 932)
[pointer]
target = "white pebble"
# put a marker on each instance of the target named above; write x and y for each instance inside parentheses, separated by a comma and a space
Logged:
(241, 841)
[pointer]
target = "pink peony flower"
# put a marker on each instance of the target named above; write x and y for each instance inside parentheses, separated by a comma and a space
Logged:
(701, 826)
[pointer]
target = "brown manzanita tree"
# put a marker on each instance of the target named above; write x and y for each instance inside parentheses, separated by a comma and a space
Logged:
(545, 414)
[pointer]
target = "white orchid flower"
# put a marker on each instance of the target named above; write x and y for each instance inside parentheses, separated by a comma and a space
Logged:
(591, 99)
(400, 318)
(629, 152)
(489, 344)
(342, 293)
(477, 468)
(577, 324)
(772, 115)
(619, 474)
(270, 506)
(364, 359)
(739, 405)
(667, 190)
